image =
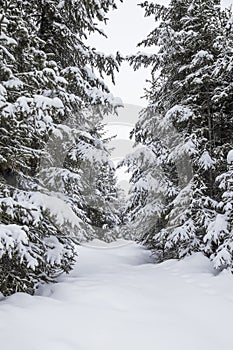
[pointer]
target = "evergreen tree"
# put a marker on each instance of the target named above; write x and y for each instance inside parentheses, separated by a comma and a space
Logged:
(46, 76)
(99, 189)
(32, 249)
(219, 235)
(180, 124)
(146, 200)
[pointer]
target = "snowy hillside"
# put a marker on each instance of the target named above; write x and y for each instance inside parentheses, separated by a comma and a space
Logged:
(117, 299)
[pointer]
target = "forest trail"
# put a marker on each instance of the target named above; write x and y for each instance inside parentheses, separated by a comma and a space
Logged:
(117, 299)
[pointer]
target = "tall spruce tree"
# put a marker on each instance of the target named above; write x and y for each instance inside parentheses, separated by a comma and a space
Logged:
(180, 124)
(46, 76)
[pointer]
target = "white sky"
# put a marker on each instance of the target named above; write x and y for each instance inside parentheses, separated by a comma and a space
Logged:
(126, 27)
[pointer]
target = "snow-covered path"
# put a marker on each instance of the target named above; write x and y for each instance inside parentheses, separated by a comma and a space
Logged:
(116, 299)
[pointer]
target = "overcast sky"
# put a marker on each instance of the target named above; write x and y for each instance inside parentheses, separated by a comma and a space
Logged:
(126, 27)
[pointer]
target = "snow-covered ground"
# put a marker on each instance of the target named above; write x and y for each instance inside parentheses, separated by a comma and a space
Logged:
(116, 299)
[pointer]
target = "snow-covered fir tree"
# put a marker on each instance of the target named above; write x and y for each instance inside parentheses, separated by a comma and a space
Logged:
(98, 182)
(145, 203)
(219, 237)
(32, 248)
(181, 123)
(46, 76)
